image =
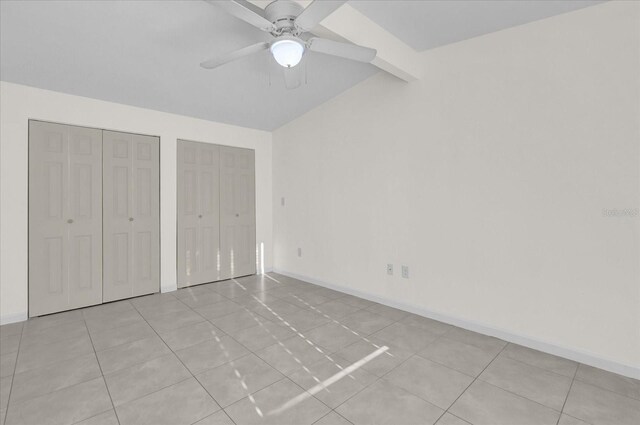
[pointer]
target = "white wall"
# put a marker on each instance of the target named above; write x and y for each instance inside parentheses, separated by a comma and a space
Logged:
(19, 103)
(488, 178)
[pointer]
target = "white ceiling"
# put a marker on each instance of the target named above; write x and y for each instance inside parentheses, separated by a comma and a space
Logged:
(147, 53)
(425, 24)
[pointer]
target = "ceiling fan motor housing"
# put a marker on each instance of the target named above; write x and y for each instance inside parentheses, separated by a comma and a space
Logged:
(283, 13)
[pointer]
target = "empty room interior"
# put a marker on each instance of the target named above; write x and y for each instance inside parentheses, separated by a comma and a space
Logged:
(330, 212)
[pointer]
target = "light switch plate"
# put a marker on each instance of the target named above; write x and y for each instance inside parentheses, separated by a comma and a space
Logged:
(405, 272)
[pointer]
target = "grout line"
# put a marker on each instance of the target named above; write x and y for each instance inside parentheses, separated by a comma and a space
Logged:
(13, 376)
(472, 382)
(568, 392)
(101, 372)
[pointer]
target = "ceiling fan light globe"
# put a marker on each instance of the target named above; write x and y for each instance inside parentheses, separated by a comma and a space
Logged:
(287, 52)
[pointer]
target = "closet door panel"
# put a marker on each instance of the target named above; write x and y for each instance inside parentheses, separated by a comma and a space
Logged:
(237, 219)
(209, 221)
(118, 243)
(65, 217)
(198, 213)
(48, 214)
(146, 215)
(188, 221)
(132, 215)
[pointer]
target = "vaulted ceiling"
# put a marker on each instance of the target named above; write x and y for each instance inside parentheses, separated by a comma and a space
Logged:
(147, 53)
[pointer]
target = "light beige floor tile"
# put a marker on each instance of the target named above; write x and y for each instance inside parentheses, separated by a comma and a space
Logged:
(102, 323)
(152, 300)
(306, 300)
(203, 300)
(11, 329)
(303, 320)
(41, 323)
(356, 301)
(406, 337)
(36, 382)
(430, 381)
(210, 354)
(539, 359)
(62, 332)
(332, 418)
(34, 357)
(485, 404)
(171, 321)
(462, 357)
(193, 292)
(609, 381)
(383, 403)
(9, 344)
(597, 406)
(127, 355)
(539, 385)
(180, 404)
(107, 311)
(290, 355)
(144, 378)
(282, 403)
(484, 342)
(5, 391)
(332, 336)
(570, 420)
(380, 365)
(218, 418)
(187, 336)
(122, 335)
(431, 325)
(263, 335)
(449, 419)
(388, 312)
(167, 307)
(107, 418)
(236, 379)
(69, 405)
(273, 309)
(8, 364)
(335, 309)
(241, 319)
(218, 309)
(365, 322)
(321, 379)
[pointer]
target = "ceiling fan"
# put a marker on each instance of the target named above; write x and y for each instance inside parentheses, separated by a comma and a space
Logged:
(290, 25)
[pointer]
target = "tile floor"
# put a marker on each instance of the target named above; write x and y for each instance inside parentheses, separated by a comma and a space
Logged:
(275, 350)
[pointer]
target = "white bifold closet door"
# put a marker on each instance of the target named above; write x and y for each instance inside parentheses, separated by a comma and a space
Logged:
(131, 215)
(198, 213)
(65, 217)
(216, 213)
(237, 212)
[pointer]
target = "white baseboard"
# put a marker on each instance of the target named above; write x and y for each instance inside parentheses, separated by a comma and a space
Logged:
(13, 318)
(580, 356)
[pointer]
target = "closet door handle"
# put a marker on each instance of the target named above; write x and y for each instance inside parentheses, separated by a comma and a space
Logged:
(70, 221)
(130, 218)
(199, 215)
(237, 215)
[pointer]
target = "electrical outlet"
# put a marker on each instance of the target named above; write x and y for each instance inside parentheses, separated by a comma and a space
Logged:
(390, 269)
(299, 252)
(405, 272)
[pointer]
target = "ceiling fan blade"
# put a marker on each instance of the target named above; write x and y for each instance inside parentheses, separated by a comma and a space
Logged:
(230, 57)
(243, 12)
(316, 12)
(293, 77)
(344, 50)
